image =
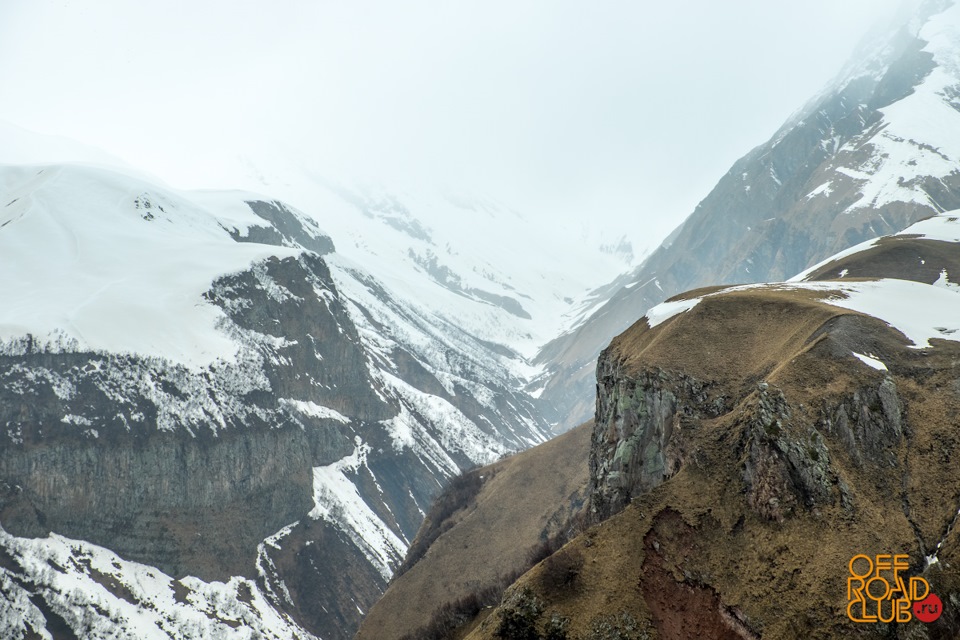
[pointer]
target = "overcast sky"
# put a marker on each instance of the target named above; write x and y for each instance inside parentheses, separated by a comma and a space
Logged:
(625, 113)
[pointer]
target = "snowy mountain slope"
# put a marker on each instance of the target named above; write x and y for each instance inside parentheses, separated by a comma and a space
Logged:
(91, 266)
(874, 152)
(200, 384)
(20, 146)
(500, 275)
(55, 585)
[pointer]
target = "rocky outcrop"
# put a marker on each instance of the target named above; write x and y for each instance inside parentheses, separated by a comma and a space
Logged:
(642, 430)
(869, 423)
(785, 467)
(285, 228)
(647, 423)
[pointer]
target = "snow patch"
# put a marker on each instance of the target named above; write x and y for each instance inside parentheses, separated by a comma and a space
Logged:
(457, 433)
(337, 501)
(944, 227)
(944, 281)
(863, 246)
(919, 311)
(823, 190)
(666, 310)
(314, 410)
(870, 361)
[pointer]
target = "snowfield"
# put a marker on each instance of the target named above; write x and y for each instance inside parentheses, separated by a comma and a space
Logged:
(127, 278)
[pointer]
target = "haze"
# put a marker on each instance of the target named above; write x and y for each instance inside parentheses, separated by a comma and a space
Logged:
(624, 114)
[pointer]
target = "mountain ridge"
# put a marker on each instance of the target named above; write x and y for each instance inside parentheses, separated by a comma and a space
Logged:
(867, 157)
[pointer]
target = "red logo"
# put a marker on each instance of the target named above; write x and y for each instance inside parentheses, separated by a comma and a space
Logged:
(928, 609)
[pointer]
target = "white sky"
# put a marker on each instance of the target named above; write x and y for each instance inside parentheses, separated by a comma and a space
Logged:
(622, 113)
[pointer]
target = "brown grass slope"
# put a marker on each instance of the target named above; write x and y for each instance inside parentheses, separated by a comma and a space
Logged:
(805, 462)
(906, 257)
(485, 532)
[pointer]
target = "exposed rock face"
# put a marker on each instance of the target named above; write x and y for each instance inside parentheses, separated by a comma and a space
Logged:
(648, 421)
(295, 472)
(869, 424)
(780, 471)
(284, 228)
(155, 461)
(642, 427)
(853, 164)
(177, 502)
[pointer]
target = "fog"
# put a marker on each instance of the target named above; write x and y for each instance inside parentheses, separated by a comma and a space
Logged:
(621, 113)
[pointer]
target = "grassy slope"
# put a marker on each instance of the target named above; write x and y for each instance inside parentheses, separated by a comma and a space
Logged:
(523, 498)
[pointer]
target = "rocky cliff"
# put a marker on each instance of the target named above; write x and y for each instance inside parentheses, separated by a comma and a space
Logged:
(269, 438)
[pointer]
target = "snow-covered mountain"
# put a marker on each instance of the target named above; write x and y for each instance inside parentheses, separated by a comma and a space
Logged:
(224, 413)
(213, 422)
(878, 149)
(502, 275)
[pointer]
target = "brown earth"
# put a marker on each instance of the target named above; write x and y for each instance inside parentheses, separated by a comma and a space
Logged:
(523, 500)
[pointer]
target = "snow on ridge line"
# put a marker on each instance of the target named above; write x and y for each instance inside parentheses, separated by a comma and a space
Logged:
(102, 261)
(857, 248)
(944, 227)
(919, 311)
(666, 310)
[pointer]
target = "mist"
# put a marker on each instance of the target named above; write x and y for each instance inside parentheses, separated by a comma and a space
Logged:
(621, 114)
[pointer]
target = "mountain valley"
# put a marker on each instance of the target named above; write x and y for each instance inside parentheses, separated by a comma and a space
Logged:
(322, 409)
